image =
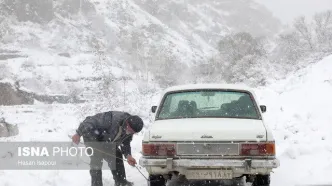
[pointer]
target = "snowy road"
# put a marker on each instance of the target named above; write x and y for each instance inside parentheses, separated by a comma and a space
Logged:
(54, 123)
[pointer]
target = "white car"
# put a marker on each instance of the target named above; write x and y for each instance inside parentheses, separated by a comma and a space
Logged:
(209, 132)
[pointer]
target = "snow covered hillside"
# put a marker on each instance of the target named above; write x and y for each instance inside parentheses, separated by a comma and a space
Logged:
(60, 47)
(299, 112)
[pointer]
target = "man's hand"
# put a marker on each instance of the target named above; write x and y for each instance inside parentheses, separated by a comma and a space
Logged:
(131, 160)
(76, 139)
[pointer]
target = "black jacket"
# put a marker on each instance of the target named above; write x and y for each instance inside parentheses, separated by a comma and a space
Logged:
(104, 127)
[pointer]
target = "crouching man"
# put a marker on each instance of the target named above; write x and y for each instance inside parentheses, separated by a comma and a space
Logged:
(113, 127)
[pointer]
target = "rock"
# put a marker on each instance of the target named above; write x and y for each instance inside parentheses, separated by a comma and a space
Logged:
(7, 130)
(9, 95)
(13, 95)
(12, 129)
(3, 130)
(38, 11)
(11, 56)
(64, 54)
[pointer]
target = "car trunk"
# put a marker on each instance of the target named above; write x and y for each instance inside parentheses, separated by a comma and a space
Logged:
(208, 136)
(208, 129)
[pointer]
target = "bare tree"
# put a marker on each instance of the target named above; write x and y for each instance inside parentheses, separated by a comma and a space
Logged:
(305, 31)
(236, 46)
(323, 29)
(290, 48)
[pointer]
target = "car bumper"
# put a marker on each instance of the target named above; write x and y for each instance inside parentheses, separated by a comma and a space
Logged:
(238, 167)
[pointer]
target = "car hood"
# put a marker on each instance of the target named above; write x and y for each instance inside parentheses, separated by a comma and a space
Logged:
(208, 129)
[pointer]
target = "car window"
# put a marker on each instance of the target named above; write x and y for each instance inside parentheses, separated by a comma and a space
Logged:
(201, 104)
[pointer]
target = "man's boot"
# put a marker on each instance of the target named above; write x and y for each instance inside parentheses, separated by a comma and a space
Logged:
(96, 178)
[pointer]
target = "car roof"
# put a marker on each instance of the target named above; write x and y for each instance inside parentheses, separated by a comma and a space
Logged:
(208, 86)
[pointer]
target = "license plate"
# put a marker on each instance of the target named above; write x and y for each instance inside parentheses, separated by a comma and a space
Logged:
(209, 174)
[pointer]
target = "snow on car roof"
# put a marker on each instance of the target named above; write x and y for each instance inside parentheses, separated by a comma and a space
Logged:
(208, 86)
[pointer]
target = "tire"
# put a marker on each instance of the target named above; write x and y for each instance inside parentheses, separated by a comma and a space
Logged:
(261, 180)
(156, 180)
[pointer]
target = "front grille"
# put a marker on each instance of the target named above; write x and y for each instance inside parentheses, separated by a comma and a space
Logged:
(208, 149)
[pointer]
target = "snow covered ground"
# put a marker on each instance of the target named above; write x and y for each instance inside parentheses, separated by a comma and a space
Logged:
(298, 112)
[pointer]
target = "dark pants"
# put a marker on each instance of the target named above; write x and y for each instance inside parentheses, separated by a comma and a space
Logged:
(96, 163)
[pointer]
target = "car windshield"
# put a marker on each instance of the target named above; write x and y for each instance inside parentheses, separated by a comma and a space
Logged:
(208, 103)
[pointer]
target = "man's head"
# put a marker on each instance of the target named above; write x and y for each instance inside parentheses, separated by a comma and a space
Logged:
(134, 124)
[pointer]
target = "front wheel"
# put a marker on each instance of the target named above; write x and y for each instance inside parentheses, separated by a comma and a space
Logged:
(261, 180)
(156, 180)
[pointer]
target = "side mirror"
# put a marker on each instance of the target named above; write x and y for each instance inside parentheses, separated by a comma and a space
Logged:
(153, 109)
(263, 108)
